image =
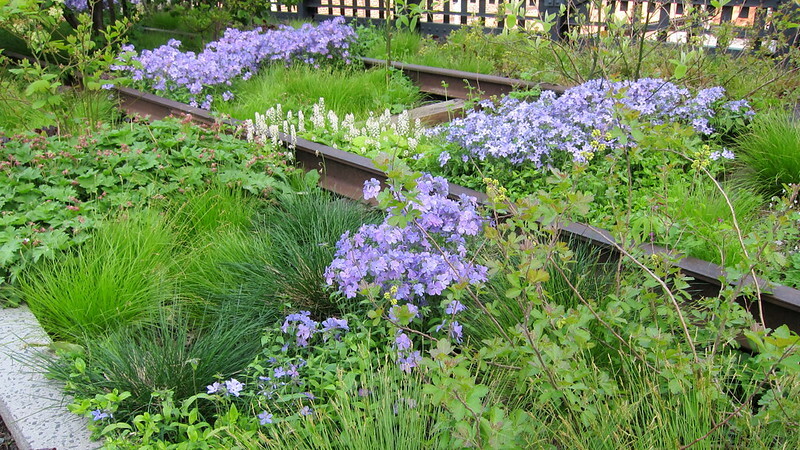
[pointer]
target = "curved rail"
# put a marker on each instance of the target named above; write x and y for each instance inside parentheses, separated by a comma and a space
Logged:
(458, 84)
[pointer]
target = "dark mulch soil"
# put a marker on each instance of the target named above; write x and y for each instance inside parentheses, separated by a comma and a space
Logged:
(6, 441)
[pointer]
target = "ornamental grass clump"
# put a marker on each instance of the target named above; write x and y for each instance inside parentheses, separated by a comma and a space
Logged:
(173, 353)
(238, 54)
(582, 122)
(707, 229)
(386, 412)
(121, 276)
(276, 260)
(302, 232)
(770, 153)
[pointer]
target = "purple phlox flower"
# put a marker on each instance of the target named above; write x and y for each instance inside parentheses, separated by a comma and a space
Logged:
(265, 418)
(77, 5)
(724, 154)
(372, 188)
(363, 392)
(579, 122)
(279, 372)
(332, 324)
(292, 371)
(309, 395)
(234, 387)
(214, 388)
(454, 307)
(237, 54)
(456, 331)
(739, 106)
(305, 326)
(444, 157)
(409, 361)
(402, 342)
(99, 414)
(306, 411)
(414, 262)
(304, 332)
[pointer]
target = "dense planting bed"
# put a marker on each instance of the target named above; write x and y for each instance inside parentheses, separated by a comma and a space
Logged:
(663, 143)
(203, 291)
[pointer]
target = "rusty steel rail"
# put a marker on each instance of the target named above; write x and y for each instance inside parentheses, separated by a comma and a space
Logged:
(458, 84)
(780, 304)
(345, 173)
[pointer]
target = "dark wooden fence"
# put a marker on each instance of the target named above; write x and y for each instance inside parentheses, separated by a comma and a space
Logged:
(748, 17)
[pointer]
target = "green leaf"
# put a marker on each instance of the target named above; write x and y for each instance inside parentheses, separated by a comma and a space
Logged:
(8, 252)
(80, 365)
(443, 348)
(37, 87)
(115, 426)
(537, 276)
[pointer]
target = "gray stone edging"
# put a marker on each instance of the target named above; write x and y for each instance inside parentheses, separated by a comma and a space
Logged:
(34, 408)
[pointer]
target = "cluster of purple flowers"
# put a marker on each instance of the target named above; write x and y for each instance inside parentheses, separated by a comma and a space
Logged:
(236, 54)
(77, 5)
(283, 376)
(579, 122)
(721, 154)
(407, 357)
(454, 328)
(228, 387)
(83, 5)
(421, 259)
(304, 327)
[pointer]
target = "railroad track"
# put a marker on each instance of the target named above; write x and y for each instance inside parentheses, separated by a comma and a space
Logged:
(458, 84)
(344, 173)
